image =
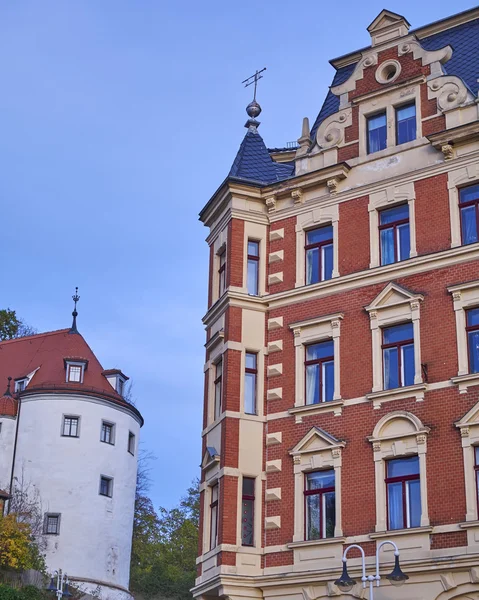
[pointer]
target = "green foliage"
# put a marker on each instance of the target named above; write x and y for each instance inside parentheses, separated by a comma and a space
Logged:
(28, 592)
(165, 547)
(12, 327)
(18, 548)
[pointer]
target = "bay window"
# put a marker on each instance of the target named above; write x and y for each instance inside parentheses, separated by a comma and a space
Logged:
(394, 234)
(320, 505)
(218, 388)
(398, 356)
(472, 329)
(319, 254)
(222, 273)
(469, 209)
(319, 366)
(403, 493)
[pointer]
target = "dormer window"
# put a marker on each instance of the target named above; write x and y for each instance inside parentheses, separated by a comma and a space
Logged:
(116, 379)
(377, 132)
(20, 384)
(75, 370)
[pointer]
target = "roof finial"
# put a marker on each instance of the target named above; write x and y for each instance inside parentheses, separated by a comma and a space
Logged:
(75, 299)
(253, 109)
(8, 393)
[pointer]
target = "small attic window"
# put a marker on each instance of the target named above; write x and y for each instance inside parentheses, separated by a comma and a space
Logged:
(388, 71)
(21, 384)
(116, 379)
(75, 370)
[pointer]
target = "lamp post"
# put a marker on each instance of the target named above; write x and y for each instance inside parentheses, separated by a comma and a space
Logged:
(60, 588)
(345, 583)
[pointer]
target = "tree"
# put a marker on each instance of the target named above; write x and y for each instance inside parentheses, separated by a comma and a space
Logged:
(18, 549)
(165, 543)
(12, 327)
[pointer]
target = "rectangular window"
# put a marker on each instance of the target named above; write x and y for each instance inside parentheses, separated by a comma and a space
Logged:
(377, 132)
(476, 469)
(107, 433)
(403, 493)
(398, 356)
(469, 207)
(70, 426)
(394, 234)
(20, 385)
(121, 385)
(319, 254)
(214, 517)
(472, 329)
(250, 377)
(74, 373)
(247, 512)
(253, 268)
(131, 443)
(218, 388)
(106, 486)
(320, 505)
(51, 524)
(405, 123)
(222, 273)
(319, 367)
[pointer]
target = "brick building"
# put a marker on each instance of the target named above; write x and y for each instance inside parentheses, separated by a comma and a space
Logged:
(342, 354)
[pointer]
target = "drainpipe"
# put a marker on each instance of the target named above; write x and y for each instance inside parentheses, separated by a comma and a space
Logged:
(14, 451)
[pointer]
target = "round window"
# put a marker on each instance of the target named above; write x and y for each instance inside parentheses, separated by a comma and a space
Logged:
(388, 72)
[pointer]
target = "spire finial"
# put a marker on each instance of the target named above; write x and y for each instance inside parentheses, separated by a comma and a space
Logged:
(7, 391)
(253, 109)
(75, 299)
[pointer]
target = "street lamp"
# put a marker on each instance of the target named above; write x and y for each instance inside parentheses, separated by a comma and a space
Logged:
(345, 583)
(60, 588)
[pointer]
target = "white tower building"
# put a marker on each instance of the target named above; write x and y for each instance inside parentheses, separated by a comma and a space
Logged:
(67, 433)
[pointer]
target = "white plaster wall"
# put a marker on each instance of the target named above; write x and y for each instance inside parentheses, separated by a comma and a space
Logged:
(95, 532)
(7, 438)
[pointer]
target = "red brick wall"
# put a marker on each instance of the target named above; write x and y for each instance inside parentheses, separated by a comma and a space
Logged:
(228, 513)
(235, 249)
(233, 324)
(288, 265)
(353, 235)
(433, 226)
(448, 540)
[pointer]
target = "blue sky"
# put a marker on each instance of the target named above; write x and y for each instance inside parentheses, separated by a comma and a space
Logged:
(118, 120)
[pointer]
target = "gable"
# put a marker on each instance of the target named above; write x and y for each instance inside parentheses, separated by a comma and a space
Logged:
(316, 440)
(393, 295)
(387, 18)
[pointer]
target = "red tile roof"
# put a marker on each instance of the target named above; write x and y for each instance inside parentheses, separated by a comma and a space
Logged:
(45, 353)
(8, 406)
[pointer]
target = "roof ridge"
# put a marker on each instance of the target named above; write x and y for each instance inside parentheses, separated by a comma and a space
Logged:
(34, 335)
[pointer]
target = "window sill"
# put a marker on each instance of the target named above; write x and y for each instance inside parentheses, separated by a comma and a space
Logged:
(465, 381)
(469, 524)
(335, 406)
(416, 391)
(396, 532)
(311, 543)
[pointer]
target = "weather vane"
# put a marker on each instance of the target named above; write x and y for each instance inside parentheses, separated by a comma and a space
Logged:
(254, 80)
(253, 109)
(75, 299)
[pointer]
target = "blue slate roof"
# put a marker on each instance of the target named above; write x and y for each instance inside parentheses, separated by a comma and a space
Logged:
(254, 164)
(464, 40)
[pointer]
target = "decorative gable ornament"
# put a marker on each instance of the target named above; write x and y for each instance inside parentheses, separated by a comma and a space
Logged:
(393, 296)
(318, 448)
(211, 457)
(388, 26)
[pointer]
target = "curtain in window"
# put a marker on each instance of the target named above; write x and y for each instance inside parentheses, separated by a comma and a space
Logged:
(387, 246)
(404, 241)
(328, 381)
(413, 492)
(312, 384)
(395, 507)
(312, 266)
(469, 228)
(474, 351)
(327, 260)
(390, 358)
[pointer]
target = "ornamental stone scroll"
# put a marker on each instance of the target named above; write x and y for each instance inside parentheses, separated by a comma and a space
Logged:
(331, 131)
(449, 91)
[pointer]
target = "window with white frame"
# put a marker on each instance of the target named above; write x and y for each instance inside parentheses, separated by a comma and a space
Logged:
(214, 492)
(75, 370)
(20, 384)
(218, 389)
(392, 225)
(71, 426)
(469, 209)
(395, 334)
(252, 279)
(317, 257)
(466, 309)
(469, 428)
(317, 462)
(399, 443)
(317, 354)
(107, 433)
(250, 383)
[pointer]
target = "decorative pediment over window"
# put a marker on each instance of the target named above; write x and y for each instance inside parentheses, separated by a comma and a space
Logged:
(398, 425)
(210, 458)
(317, 449)
(469, 426)
(394, 295)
